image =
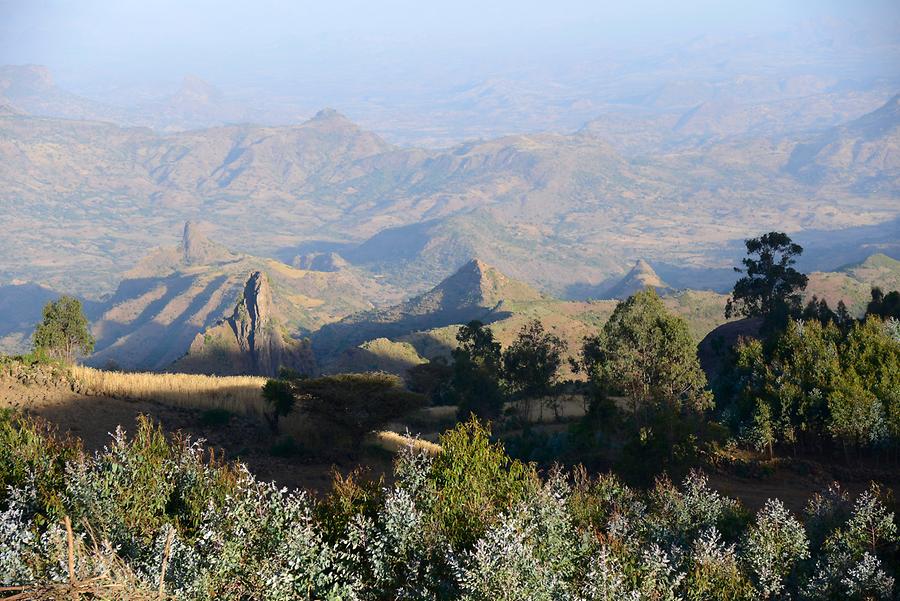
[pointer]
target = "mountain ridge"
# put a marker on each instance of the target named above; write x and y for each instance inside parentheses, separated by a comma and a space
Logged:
(474, 291)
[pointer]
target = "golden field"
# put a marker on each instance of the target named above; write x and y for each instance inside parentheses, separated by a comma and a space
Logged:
(238, 394)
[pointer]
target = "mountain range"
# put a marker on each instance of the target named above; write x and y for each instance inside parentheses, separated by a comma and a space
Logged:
(201, 307)
(566, 213)
(178, 293)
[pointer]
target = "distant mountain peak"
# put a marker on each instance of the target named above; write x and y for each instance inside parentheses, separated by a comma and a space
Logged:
(477, 283)
(330, 115)
(197, 249)
(875, 261)
(640, 277)
(196, 89)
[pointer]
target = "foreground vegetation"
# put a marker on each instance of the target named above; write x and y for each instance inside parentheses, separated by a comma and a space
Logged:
(469, 523)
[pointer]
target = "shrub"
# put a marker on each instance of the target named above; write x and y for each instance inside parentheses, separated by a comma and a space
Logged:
(473, 481)
(776, 543)
(468, 523)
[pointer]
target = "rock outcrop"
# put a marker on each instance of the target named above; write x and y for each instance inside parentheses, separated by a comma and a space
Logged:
(250, 341)
(252, 321)
(197, 249)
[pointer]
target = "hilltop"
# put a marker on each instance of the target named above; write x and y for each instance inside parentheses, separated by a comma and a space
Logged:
(475, 291)
(424, 327)
(641, 277)
(853, 284)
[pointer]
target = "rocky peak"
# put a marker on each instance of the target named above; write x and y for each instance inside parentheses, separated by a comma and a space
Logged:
(329, 114)
(478, 284)
(250, 341)
(330, 120)
(640, 277)
(251, 316)
(197, 249)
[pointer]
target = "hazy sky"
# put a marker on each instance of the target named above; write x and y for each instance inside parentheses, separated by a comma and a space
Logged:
(91, 41)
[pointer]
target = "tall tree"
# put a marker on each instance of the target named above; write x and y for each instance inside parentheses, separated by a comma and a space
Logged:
(770, 285)
(64, 331)
(648, 355)
(532, 361)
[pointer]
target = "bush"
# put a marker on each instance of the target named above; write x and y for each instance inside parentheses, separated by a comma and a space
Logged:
(469, 523)
(473, 481)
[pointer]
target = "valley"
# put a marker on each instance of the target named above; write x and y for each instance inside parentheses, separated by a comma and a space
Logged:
(580, 301)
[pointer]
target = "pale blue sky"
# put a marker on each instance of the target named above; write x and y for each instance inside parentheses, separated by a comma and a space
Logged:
(86, 41)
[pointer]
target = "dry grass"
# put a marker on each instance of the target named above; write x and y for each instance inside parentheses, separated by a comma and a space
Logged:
(394, 442)
(237, 394)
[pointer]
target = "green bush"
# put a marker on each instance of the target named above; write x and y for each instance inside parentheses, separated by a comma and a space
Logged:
(473, 481)
(468, 524)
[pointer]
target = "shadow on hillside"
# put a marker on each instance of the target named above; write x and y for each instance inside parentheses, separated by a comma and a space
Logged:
(153, 345)
(336, 337)
(587, 290)
(93, 419)
(134, 288)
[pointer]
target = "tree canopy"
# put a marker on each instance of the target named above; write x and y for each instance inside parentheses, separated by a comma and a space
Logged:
(814, 382)
(476, 372)
(771, 284)
(647, 354)
(64, 331)
(531, 362)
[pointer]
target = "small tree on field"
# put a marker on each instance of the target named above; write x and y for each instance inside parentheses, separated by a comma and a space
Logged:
(64, 332)
(355, 404)
(531, 362)
(771, 284)
(280, 396)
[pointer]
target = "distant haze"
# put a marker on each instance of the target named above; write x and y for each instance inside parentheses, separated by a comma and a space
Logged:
(350, 51)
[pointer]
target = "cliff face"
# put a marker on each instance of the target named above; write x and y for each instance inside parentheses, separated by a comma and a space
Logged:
(250, 341)
(253, 324)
